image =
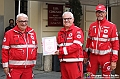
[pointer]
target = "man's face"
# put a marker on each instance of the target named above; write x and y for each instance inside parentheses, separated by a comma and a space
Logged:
(11, 22)
(100, 15)
(67, 20)
(22, 23)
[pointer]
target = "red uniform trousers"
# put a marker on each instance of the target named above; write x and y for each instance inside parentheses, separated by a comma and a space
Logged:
(25, 73)
(103, 61)
(72, 70)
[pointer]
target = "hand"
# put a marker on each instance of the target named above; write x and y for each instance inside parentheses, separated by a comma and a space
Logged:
(57, 52)
(85, 60)
(113, 65)
(6, 70)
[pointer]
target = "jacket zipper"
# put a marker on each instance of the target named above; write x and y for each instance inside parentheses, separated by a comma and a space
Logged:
(25, 38)
(21, 50)
(65, 40)
(98, 35)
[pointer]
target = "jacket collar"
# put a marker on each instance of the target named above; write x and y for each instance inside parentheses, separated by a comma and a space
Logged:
(102, 21)
(70, 28)
(27, 30)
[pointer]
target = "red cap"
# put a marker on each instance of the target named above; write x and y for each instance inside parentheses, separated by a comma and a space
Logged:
(100, 7)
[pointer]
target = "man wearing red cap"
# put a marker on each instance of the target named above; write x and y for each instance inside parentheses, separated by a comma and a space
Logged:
(103, 44)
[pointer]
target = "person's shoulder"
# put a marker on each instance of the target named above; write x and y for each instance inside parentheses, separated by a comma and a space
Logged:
(30, 30)
(93, 23)
(61, 29)
(78, 29)
(9, 32)
(7, 26)
(111, 23)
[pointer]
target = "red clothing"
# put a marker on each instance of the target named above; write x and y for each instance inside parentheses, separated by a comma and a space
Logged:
(71, 70)
(19, 49)
(103, 39)
(70, 44)
(103, 61)
(70, 52)
(20, 74)
(103, 45)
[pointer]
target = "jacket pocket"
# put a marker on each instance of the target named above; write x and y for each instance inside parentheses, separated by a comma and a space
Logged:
(16, 39)
(17, 54)
(104, 46)
(33, 53)
(93, 44)
(92, 32)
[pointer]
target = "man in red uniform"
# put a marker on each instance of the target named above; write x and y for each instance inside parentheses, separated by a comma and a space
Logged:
(70, 40)
(103, 44)
(19, 50)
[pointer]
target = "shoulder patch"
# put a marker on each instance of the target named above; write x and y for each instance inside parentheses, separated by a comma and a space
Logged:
(4, 40)
(78, 34)
(111, 22)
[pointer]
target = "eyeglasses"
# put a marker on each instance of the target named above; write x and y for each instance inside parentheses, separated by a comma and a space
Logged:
(23, 21)
(100, 12)
(67, 19)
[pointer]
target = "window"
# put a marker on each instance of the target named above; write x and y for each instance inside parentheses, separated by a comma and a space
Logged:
(23, 7)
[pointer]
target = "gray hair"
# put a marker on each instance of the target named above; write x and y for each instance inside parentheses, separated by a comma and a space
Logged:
(68, 13)
(21, 14)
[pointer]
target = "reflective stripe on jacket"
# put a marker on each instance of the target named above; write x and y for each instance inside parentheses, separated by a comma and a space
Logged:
(103, 39)
(19, 50)
(70, 44)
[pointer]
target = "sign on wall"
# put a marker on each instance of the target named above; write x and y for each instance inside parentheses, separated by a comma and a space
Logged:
(55, 12)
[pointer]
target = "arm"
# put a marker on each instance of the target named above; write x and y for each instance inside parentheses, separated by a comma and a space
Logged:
(115, 47)
(5, 53)
(36, 44)
(88, 42)
(114, 44)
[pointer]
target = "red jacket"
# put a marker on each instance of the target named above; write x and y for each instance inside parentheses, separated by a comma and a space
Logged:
(19, 50)
(70, 44)
(103, 39)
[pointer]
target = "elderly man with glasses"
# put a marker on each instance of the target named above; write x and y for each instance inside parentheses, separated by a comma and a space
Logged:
(70, 40)
(103, 44)
(19, 50)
